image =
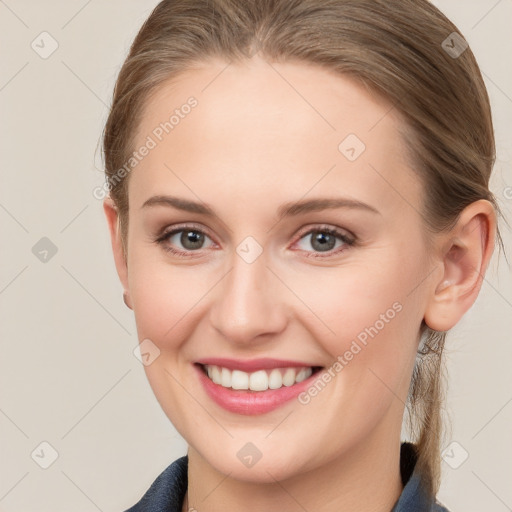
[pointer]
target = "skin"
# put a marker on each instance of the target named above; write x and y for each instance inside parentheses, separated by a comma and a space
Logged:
(263, 135)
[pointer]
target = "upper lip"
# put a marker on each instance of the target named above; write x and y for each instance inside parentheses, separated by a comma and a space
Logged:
(250, 365)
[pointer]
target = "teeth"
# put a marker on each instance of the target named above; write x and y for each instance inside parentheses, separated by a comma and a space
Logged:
(275, 379)
(289, 377)
(302, 375)
(215, 374)
(225, 378)
(260, 380)
(239, 380)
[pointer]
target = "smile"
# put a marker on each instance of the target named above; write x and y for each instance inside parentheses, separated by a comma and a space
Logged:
(255, 387)
(260, 380)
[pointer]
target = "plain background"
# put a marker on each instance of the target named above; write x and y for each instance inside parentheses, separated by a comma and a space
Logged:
(68, 374)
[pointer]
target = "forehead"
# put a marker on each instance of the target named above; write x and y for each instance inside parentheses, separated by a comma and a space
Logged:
(257, 126)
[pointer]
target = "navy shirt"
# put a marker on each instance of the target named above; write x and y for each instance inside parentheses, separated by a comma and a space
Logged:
(167, 492)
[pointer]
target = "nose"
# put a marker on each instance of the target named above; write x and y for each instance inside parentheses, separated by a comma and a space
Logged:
(249, 303)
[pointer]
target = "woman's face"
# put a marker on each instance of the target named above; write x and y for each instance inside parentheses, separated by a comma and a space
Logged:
(264, 285)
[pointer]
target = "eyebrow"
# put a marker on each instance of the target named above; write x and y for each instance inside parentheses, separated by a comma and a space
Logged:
(289, 209)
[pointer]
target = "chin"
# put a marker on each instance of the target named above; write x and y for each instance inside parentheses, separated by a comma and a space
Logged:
(272, 466)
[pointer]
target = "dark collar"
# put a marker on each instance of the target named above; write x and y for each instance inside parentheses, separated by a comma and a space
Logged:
(414, 497)
(167, 492)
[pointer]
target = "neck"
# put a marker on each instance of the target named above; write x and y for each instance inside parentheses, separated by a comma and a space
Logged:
(341, 484)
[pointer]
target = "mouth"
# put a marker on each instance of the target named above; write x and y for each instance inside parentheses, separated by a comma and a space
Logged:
(259, 380)
(255, 387)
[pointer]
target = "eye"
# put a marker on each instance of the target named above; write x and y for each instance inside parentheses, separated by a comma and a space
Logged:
(323, 239)
(190, 238)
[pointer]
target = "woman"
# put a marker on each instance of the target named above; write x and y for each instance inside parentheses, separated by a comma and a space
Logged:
(299, 211)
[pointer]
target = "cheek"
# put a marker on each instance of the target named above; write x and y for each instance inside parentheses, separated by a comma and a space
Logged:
(369, 326)
(168, 299)
(165, 300)
(357, 303)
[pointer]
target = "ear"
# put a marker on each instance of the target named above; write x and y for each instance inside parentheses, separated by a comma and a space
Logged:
(464, 256)
(112, 214)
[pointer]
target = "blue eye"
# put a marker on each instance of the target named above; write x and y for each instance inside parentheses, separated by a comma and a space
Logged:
(322, 238)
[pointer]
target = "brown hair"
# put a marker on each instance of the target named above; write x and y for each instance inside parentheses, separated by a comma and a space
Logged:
(397, 49)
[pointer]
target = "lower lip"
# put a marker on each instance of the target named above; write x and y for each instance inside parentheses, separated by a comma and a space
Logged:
(251, 402)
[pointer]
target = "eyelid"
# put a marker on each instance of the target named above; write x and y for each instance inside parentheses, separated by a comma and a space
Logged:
(325, 227)
(168, 230)
(341, 233)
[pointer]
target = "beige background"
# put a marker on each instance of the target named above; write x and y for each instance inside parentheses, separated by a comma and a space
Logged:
(68, 376)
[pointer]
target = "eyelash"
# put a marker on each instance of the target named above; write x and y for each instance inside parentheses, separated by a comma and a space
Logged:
(348, 241)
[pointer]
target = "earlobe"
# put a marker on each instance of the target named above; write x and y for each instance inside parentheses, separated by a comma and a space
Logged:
(464, 257)
(112, 215)
(127, 301)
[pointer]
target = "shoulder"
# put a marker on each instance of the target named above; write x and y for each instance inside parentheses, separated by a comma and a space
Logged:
(167, 492)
